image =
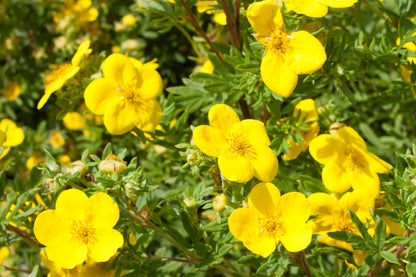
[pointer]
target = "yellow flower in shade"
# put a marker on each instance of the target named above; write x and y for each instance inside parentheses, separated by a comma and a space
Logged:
(306, 111)
(242, 147)
(347, 162)
(4, 254)
(79, 229)
(74, 121)
(82, 10)
(333, 215)
(128, 20)
(12, 91)
(287, 54)
(207, 6)
(126, 95)
(317, 8)
(270, 219)
(56, 139)
(34, 159)
(13, 135)
(62, 73)
(207, 67)
(411, 46)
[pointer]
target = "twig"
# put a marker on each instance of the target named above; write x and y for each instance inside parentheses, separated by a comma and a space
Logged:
(305, 263)
(24, 235)
(199, 30)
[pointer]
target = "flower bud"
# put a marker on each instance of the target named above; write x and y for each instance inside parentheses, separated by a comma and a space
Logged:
(219, 202)
(77, 166)
(49, 185)
(112, 164)
(132, 188)
(189, 202)
(194, 158)
(333, 129)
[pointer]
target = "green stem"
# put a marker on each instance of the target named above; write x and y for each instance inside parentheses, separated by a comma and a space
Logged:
(200, 31)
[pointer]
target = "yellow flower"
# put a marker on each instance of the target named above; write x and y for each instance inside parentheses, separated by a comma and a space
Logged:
(317, 8)
(270, 219)
(207, 6)
(74, 121)
(13, 135)
(12, 91)
(207, 67)
(411, 46)
(64, 159)
(56, 139)
(128, 20)
(79, 228)
(34, 159)
(333, 215)
(287, 54)
(126, 95)
(242, 147)
(306, 111)
(61, 74)
(81, 9)
(4, 254)
(347, 162)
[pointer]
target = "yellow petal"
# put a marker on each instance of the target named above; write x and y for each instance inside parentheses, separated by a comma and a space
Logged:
(101, 211)
(297, 237)
(254, 131)
(14, 134)
(235, 167)
(293, 208)
(152, 84)
(376, 164)
(99, 94)
(276, 74)
(351, 137)
(336, 178)
(58, 83)
(67, 252)
(244, 226)
(220, 18)
(264, 162)
(149, 115)
(264, 199)
(308, 54)
(49, 227)
(327, 209)
(209, 140)
(119, 69)
(82, 51)
(359, 203)
(310, 8)
(223, 118)
(325, 148)
(106, 244)
(71, 204)
(265, 17)
(337, 3)
(120, 117)
(5, 151)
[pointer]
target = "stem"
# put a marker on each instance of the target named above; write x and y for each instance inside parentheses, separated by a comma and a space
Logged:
(244, 108)
(239, 41)
(374, 9)
(305, 263)
(147, 223)
(188, 37)
(200, 31)
(24, 235)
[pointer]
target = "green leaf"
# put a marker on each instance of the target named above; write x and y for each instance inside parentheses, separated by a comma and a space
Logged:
(187, 225)
(411, 270)
(390, 257)
(345, 236)
(178, 237)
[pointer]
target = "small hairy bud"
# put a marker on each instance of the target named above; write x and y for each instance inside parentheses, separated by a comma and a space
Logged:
(112, 164)
(77, 166)
(219, 202)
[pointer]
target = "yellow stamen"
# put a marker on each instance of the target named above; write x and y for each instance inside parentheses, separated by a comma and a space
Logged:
(83, 232)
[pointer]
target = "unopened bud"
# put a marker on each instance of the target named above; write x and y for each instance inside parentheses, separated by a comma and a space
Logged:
(49, 185)
(132, 188)
(189, 202)
(333, 129)
(112, 164)
(219, 202)
(77, 166)
(194, 158)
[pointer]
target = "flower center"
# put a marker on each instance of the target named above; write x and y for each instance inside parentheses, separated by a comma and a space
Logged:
(238, 143)
(272, 226)
(60, 71)
(279, 40)
(353, 161)
(83, 232)
(129, 94)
